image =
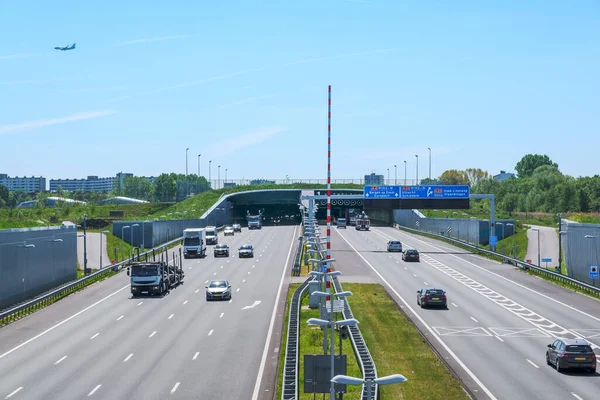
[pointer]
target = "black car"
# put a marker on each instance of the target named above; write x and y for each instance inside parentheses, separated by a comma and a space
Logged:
(221, 250)
(246, 251)
(571, 354)
(431, 296)
(410, 255)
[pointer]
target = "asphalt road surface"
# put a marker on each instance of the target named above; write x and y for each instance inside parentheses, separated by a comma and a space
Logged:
(93, 250)
(548, 245)
(103, 344)
(499, 320)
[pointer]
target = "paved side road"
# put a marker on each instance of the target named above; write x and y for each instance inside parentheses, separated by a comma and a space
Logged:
(548, 245)
(93, 250)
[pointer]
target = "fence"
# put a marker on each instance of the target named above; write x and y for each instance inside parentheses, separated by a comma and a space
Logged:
(467, 230)
(221, 183)
(581, 243)
(34, 260)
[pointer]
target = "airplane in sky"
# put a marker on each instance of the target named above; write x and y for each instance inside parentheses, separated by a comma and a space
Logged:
(65, 48)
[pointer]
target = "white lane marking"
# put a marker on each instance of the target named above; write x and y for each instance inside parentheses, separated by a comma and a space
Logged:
(228, 260)
(196, 355)
(175, 387)
(249, 272)
(62, 359)
(197, 262)
(505, 278)
(576, 396)
(140, 303)
(473, 319)
(532, 363)
(171, 316)
(214, 274)
(211, 332)
(60, 323)
(253, 266)
(221, 266)
(221, 316)
(542, 323)
(17, 390)
(152, 334)
(120, 318)
(206, 281)
(185, 302)
(454, 305)
(197, 290)
(243, 281)
(230, 301)
(238, 289)
(431, 331)
(406, 268)
(499, 338)
(94, 390)
(426, 284)
(128, 357)
(190, 268)
(263, 361)
(93, 337)
(415, 275)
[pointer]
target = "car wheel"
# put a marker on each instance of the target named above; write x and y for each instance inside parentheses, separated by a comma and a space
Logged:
(548, 360)
(558, 368)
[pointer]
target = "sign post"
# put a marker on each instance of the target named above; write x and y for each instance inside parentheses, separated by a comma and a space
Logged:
(594, 271)
(546, 260)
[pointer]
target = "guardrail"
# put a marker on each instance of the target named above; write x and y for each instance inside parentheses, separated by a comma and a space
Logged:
(365, 361)
(296, 268)
(519, 263)
(290, 368)
(27, 307)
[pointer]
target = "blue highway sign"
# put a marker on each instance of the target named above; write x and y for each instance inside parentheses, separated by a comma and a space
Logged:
(382, 192)
(493, 240)
(546, 260)
(593, 272)
(435, 192)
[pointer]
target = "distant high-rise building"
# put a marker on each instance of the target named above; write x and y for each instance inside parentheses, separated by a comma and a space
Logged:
(503, 175)
(373, 179)
(29, 185)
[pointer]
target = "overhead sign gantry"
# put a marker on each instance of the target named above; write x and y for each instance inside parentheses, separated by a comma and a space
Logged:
(454, 197)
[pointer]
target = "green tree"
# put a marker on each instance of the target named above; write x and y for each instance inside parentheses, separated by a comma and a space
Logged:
(454, 177)
(530, 163)
(165, 187)
(138, 187)
(475, 175)
(17, 197)
(4, 194)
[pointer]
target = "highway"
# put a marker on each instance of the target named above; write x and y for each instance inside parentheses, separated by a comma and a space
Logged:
(548, 245)
(499, 320)
(102, 344)
(93, 250)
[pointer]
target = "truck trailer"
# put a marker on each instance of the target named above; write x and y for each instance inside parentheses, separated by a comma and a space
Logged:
(155, 277)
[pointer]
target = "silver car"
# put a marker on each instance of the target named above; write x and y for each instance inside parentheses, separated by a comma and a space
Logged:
(228, 231)
(218, 290)
(394, 245)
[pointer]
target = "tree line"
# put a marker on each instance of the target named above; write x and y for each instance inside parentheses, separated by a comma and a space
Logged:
(538, 186)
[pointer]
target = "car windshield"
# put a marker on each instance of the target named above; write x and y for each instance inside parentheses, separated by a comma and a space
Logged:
(221, 246)
(139, 270)
(394, 243)
(412, 252)
(218, 284)
(247, 247)
(191, 241)
(435, 291)
(579, 349)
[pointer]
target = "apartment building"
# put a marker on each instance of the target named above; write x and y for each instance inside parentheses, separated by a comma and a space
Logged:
(93, 183)
(29, 185)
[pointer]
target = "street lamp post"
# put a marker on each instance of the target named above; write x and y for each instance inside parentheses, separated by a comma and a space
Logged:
(219, 177)
(404, 172)
(417, 157)
(225, 182)
(199, 155)
(186, 161)
(209, 174)
(384, 380)
(395, 174)
(132, 246)
(559, 241)
(538, 246)
(429, 148)
(101, 251)
(388, 180)
(85, 270)
(123, 241)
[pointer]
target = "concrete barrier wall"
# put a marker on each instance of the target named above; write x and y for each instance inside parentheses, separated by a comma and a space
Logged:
(581, 252)
(35, 260)
(470, 230)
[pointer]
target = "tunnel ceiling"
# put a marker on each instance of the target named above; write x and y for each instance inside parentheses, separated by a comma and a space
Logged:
(266, 197)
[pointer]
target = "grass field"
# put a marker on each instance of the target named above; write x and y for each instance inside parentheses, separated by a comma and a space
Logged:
(394, 342)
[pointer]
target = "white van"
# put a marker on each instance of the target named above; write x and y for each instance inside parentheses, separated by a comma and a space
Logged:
(211, 235)
(194, 242)
(341, 223)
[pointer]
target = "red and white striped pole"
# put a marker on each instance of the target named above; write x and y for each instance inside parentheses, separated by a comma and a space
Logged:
(328, 287)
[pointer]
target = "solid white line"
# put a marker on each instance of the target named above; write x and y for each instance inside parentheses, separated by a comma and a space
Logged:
(211, 331)
(577, 397)
(431, 331)
(94, 390)
(473, 319)
(128, 357)
(221, 316)
(175, 388)
(196, 355)
(171, 316)
(17, 390)
(94, 335)
(60, 323)
(152, 334)
(121, 317)
(140, 303)
(532, 363)
(60, 360)
(499, 338)
(261, 369)
(454, 305)
(185, 302)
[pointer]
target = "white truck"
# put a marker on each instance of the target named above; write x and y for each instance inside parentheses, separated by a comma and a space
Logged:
(194, 242)
(211, 235)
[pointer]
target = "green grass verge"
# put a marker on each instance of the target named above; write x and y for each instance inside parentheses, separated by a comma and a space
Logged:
(393, 340)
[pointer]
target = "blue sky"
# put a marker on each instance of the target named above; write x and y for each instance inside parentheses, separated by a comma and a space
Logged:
(244, 83)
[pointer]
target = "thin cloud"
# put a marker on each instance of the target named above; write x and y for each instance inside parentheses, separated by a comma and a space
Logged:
(55, 121)
(85, 90)
(232, 145)
(19, 55)
(247, 71)
(151, 40)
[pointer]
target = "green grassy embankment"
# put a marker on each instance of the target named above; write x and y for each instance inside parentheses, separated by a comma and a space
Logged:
(395, 344)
